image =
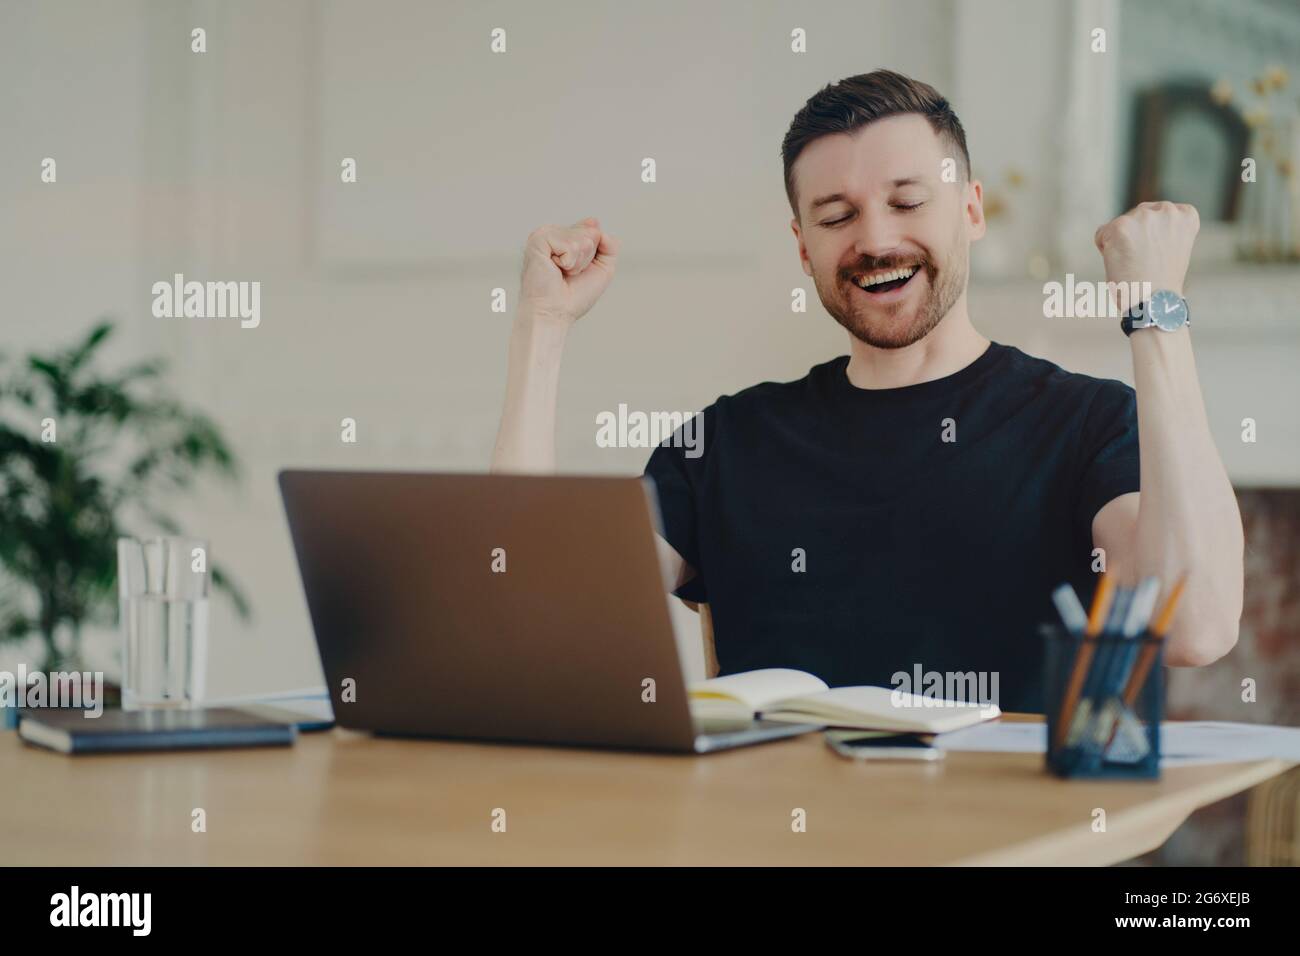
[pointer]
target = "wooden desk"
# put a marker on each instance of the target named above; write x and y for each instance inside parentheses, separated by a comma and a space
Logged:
(346, 798)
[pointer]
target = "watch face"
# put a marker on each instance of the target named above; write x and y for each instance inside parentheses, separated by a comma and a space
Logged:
(1168, 310)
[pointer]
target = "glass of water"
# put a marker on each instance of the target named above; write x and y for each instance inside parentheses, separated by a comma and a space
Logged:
(162, 586)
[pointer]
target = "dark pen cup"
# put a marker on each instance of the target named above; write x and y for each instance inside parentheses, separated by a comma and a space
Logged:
(1104, 699)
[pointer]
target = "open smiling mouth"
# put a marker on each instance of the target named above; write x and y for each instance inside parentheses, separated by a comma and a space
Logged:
(881, 282)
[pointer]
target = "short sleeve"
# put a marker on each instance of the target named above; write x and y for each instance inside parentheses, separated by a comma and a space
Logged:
(676, 468)
(1108, 452)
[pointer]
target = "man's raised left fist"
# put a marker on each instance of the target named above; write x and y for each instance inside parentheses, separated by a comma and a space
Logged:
(1152, 242)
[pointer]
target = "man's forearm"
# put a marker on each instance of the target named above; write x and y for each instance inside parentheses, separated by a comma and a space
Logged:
(526, 439)
(1188, 519)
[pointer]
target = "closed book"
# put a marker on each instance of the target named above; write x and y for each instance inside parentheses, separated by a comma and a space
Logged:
(71, 731)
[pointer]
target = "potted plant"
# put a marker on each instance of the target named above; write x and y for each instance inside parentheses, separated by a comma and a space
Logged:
(87, 457)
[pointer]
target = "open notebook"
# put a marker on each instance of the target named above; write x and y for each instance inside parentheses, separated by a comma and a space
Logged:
(795, 696)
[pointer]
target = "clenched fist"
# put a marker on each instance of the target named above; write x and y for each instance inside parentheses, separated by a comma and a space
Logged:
(566, 269)
(1152, 242)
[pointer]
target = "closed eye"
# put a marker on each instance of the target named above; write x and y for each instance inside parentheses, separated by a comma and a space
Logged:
(902, 207)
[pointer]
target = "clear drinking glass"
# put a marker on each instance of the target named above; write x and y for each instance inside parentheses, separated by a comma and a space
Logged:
(162, 586)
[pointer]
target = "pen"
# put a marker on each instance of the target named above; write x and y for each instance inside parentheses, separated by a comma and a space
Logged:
(1138, 614)
(1137, 679)
(1144, 603)
(1100, 608)
(1069, 607)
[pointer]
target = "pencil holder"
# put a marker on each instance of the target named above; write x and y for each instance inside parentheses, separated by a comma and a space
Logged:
(1104, 698)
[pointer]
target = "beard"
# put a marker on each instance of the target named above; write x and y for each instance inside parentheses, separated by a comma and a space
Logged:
(896, 325)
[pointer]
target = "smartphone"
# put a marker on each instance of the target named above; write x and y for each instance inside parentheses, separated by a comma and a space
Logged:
(881, 745)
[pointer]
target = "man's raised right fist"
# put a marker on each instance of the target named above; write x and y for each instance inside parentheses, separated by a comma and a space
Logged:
(566, 269)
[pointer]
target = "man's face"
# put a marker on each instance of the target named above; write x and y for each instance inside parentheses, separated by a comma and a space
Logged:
(875, 202)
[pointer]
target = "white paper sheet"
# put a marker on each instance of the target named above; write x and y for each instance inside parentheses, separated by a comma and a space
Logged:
(1182, 743)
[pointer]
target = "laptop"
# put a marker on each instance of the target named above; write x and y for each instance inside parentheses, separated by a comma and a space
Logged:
(526, 608)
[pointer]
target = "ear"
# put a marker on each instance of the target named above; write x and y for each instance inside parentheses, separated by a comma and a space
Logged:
(803, 251)
(974, 211)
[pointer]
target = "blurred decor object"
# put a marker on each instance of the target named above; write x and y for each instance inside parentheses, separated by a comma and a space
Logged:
(1273, 822)
(997, 202)
(1188, 147)
(86, 458)
(1270, 222)
(993, 257)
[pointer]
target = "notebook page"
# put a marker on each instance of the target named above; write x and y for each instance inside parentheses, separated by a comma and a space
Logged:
(758, 688)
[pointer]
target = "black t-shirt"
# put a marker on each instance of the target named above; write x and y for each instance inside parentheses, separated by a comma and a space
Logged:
(918, 551)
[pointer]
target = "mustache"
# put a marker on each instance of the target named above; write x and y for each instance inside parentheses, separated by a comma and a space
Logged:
(873, 264)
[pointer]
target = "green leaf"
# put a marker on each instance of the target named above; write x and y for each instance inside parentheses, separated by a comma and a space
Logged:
(82, 353)
(222, 581)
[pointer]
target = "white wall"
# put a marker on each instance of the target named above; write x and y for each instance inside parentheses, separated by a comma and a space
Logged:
(375, 296)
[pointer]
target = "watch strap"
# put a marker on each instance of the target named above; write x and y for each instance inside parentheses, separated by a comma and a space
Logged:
(1137, 318)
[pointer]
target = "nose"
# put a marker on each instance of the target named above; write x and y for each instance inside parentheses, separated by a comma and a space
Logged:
(876, 235)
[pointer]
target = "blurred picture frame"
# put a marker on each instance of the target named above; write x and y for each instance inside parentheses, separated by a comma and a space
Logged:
(1187, 148)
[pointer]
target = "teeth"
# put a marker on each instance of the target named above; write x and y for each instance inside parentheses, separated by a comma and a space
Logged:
(868, 281)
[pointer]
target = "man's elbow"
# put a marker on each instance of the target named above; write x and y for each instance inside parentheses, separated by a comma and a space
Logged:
(1202, 646)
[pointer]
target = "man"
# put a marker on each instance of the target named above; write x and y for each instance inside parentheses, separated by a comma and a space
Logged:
(913, 504)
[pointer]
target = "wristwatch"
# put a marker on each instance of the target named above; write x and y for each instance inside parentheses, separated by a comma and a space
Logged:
(1165, 310)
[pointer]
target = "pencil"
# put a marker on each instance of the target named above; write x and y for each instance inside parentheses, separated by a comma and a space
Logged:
(1096, 617)
(1148, 656)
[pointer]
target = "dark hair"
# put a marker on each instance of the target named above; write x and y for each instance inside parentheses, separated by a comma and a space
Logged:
(859, 100)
